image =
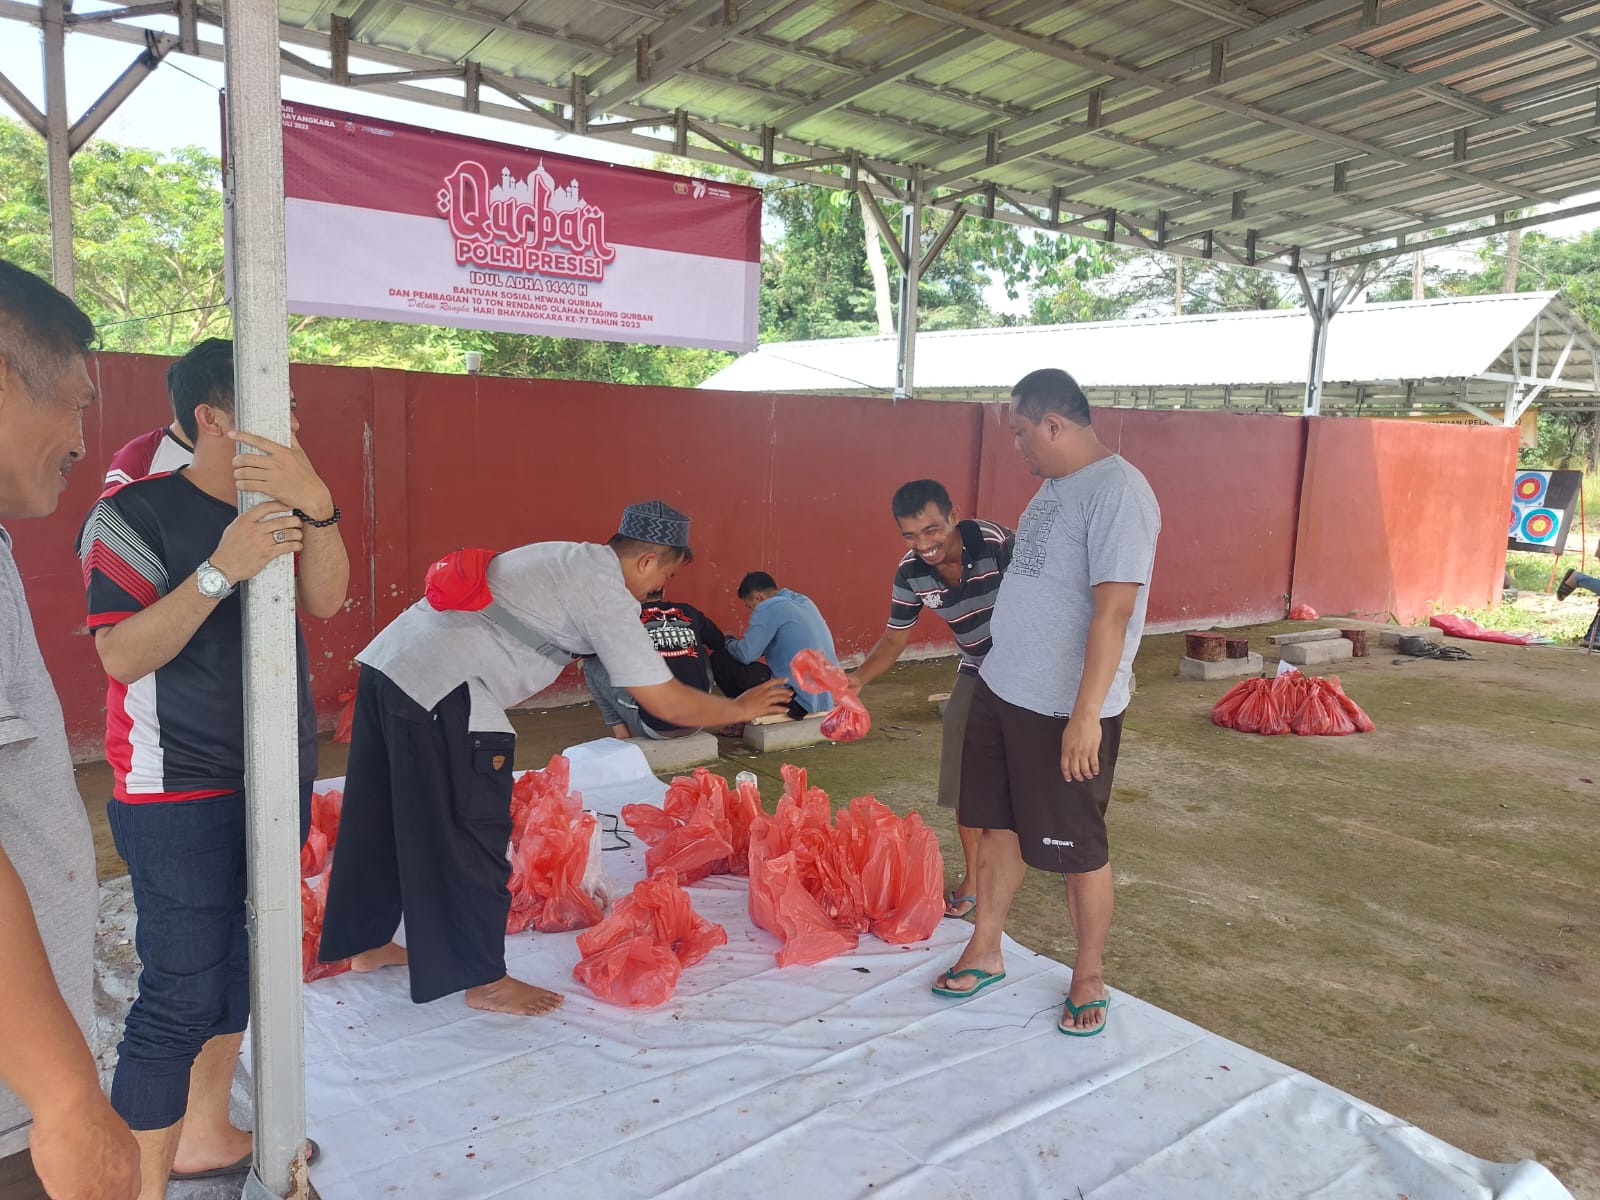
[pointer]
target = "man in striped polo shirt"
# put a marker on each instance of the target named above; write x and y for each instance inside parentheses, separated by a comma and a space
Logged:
(953, 567)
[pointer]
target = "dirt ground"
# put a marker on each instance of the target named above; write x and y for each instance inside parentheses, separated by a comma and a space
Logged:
(1411, 915)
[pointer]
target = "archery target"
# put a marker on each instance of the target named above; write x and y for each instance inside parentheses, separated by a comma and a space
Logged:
(1539, 526)
(1542, 504)
(1530, 486)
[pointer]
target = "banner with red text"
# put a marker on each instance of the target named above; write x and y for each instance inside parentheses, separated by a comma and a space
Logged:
(399, 223)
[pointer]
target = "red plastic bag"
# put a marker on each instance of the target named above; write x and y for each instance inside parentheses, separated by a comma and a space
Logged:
(700, 829)
(314, 854)
(313, 903)
(848, 721)
(635, 956)
(549, 858)
(807, 933)
(919, 888)
(326, 808)
(1302, 612)
(1465, 627)
(549, 784)
(1225, 712)
(347, 716)
(635, 973)
(1261, 711)
(818, 880)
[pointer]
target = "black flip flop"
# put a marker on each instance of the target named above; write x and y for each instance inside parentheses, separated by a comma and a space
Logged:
(241, 1167)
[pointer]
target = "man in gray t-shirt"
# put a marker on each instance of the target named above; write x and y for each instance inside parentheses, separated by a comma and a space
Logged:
(1046, 719)
(50, 1094)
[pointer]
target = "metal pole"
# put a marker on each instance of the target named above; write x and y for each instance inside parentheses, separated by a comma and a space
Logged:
(57, 138)
(254, 196)
(1321, 307)
(910, 279)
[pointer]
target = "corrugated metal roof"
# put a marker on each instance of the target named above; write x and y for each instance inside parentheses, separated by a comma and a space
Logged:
(1273, 132)
(1451, 339)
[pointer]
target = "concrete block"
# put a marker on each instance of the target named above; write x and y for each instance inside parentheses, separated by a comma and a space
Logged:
(1316, 654)
(942, 699)
(770, 737)
(1390, 635)
(1302, 635)
(670, 755)
(1228, 668)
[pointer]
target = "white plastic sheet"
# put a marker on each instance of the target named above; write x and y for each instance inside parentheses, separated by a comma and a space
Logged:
(847, 1079)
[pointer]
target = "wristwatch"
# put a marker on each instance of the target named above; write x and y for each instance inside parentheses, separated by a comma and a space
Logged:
(213, 584)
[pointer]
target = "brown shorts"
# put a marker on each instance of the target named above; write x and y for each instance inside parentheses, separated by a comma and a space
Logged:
(1011, 779)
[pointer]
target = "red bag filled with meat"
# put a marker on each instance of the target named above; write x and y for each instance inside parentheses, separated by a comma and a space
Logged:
(313, 902)
(347, 716)
(919, 887)
(848, 721)
(314, 854)
(635, 972)
(326, 808)
(807, 934)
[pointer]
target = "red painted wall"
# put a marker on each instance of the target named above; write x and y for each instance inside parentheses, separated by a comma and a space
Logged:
(1403, 518)
(1228, 485)
(800, 487)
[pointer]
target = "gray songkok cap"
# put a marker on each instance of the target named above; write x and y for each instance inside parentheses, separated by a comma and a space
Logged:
(655, 522)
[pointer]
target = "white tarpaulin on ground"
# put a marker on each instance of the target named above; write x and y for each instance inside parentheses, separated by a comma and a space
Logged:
(847, 1079)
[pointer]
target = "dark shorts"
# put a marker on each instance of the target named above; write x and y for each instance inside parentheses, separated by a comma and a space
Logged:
(1011, 779)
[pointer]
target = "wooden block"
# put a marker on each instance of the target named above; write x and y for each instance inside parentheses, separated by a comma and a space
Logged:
(1304, 635)
(938, 697)
(771, 719)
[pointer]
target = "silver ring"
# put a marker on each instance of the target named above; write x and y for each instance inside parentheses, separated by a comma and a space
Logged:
(280, 535)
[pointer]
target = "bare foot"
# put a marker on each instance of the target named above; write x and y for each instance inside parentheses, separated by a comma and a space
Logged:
(199, 1151)
(391, 954)
(1084, 989)
(512, 996)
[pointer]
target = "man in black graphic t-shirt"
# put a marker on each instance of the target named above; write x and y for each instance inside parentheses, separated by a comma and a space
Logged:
(695, 651)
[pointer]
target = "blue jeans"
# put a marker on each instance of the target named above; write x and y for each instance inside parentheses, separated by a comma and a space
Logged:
(186, 860)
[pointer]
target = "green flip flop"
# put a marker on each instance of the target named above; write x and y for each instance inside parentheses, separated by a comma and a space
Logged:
(984, 978)
(1075, 1009)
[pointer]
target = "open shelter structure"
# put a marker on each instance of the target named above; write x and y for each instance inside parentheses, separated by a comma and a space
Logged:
(1494, 357)
(1306, 137)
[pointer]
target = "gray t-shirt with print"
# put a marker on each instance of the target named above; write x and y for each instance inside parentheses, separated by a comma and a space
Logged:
(43, 825)
(567, 598)
(1097, 525)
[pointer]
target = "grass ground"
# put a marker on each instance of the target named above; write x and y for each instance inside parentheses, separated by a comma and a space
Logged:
(1412, 915)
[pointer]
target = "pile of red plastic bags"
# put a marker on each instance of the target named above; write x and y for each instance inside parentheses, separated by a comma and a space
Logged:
(1291, 703)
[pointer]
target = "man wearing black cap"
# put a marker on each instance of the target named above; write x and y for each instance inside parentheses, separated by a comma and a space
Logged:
(427, 801)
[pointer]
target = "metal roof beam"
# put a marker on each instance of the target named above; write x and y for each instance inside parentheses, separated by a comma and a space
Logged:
(1357, 194)
(661, 64)
(1168, 90)
(1195, 90)
(937, 51)
(13, 95)
(633, 61)
(1471, 234)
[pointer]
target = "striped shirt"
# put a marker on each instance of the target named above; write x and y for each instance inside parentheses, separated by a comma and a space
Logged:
(986, 553)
